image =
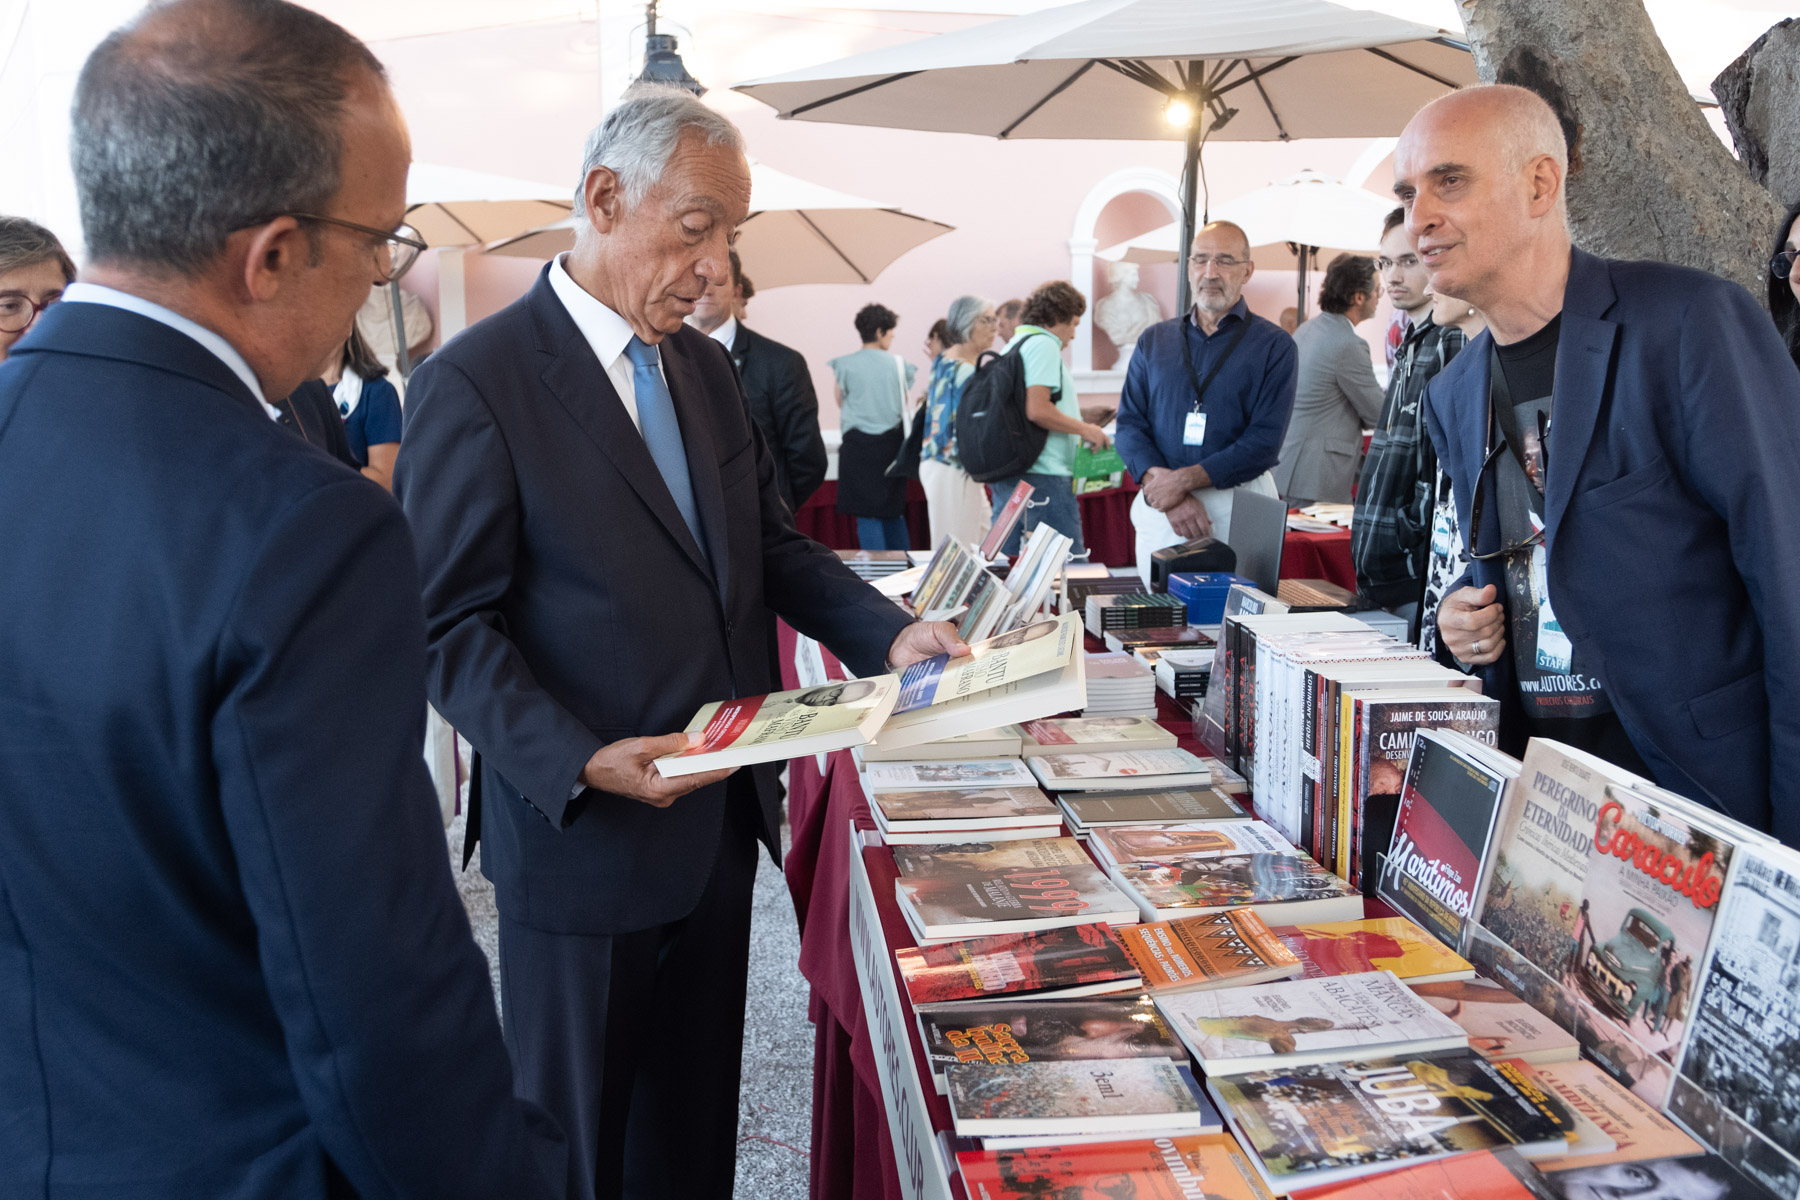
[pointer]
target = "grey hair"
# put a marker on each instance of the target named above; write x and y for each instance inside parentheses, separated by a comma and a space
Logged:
(203, 117)
(961, 318)
(25, 243)
(637, 138)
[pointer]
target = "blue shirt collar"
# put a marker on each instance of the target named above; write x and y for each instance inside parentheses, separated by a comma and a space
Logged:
(1240, 310)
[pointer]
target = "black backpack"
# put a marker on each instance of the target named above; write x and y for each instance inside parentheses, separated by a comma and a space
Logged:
(994, 438)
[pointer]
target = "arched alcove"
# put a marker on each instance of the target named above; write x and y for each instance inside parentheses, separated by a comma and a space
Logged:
(1083, 241)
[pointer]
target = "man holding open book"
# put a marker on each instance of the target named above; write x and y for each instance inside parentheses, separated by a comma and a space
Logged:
(604, 543)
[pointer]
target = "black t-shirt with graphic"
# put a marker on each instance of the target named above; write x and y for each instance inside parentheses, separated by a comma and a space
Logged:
(1561, 699)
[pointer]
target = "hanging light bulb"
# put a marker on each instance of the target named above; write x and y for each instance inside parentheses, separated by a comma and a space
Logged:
(1180, 112)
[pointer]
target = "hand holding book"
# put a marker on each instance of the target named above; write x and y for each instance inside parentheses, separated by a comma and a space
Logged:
(627, 767)
(922, 640)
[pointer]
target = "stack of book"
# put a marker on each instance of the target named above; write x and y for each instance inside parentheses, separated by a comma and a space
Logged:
(1113, 770)
(1078, 735)
(1133, 610)
(874, 564)
(1088, 812)
(1077, 588)
(1141, 642)
(1183, 674)
(1015, 887)
(1283, 889)
(934, 815)
(1119, 686)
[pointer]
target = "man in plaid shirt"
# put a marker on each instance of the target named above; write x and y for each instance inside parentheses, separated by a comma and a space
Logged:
(1390, 532)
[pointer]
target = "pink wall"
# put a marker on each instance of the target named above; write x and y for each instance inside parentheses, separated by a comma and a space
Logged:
(520, 101)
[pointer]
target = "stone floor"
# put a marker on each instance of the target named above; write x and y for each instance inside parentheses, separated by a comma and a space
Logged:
(775, 1113)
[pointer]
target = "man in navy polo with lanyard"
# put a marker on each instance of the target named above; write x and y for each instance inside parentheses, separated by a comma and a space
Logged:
(1206, 402)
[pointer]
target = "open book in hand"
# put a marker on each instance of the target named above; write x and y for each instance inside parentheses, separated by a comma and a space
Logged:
(1035, 671)
(783, 725)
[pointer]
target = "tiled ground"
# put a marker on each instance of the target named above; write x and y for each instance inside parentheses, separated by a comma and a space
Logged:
(775, 1122)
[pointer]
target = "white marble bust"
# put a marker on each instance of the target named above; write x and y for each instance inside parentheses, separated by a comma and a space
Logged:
(1125, 312)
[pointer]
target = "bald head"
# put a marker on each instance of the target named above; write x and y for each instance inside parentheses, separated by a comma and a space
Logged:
(1480, 173)
(1218, 267)
(1225, 234)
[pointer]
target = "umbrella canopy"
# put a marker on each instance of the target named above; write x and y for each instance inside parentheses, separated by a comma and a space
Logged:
(1107, 69)
(797, 232)
(451, 206)
(1307, 210)
(1242, 70)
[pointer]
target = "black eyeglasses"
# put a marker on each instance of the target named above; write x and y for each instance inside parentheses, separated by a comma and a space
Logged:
(1489, 455)
(1783, 263)
(395, 249)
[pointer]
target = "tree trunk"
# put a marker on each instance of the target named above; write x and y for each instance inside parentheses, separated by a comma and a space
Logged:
(1648, 178)
(1760, 97)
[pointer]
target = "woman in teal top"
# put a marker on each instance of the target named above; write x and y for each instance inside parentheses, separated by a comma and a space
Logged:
(1047, 325)
(958, 506)
(872, 385)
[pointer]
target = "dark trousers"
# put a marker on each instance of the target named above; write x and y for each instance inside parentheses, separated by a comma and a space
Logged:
(633, 1042)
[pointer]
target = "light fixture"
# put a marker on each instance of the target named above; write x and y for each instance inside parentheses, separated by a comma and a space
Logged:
(1180, 112)
(662, 59)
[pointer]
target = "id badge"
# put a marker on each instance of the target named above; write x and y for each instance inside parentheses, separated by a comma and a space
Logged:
(1194, 431)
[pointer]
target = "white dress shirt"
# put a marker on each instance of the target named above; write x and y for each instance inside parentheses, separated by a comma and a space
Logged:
(606, 332)
(726, 333)
(94, 293)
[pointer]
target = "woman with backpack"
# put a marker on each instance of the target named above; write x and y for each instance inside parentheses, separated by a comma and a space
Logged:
(872, 386)
(958, 506)
(1048, 324)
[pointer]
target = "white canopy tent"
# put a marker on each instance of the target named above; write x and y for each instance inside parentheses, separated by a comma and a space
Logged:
(797, 232)
(453, 206)
(1241, 70)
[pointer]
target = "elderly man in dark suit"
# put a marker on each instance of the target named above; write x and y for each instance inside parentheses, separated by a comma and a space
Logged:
(232, 960)
(1622, 445)
(604, 548)
(776, 384)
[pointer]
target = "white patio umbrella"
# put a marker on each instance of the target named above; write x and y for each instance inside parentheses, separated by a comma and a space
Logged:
(1243, 70)
(1308, 217)
(451, 206)
(797, 232)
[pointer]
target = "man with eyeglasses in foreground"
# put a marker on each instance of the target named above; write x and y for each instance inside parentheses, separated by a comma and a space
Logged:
(1206, 402)
(1623, 445)
(233, 963)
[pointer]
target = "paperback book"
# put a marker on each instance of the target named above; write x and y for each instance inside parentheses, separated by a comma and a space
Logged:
(1027, 673)
(1228, 949)
(983, 743)
(1374, 944)
(1267, 1026)
(1499, 1023)
(957, 858)
(783, 725)
(1168, 1168)
(1082, 960)
(1193, 839)
(965, 809)
(1098, 810)
(1098, 770)
(1035, 1030)
(984, 773)
(1071, 735)
(1333, 1122)
(977, 903)
(1738, 1088)
(1449, 808)
(1497, 1174)
(1119, 1096)
(1282, 889)
(1690, 1177)
(1637, 1130)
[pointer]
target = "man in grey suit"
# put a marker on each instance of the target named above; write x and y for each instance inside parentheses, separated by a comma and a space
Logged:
(1336, 393)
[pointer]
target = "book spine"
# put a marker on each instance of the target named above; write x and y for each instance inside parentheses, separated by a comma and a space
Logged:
(1358, 752)
(1309, 747)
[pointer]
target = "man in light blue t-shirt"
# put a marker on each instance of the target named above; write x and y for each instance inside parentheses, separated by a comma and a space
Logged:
(1047, 325)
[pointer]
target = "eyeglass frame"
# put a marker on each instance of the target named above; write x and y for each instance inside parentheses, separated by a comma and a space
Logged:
(390, 236)
(1225, 262)
(1786, 260)
(1384, 263)
(37, 310)
(1489, 454)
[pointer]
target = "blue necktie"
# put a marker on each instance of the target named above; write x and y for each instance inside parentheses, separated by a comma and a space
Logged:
(662, 433)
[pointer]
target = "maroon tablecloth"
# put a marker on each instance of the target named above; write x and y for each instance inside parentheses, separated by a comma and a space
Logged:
(1105, 524)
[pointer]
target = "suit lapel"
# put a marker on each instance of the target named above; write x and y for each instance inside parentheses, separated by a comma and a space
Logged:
(703, 461)
(575, 377)
(1583, 354)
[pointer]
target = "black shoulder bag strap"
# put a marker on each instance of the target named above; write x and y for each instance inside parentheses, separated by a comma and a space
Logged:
(1187, 357)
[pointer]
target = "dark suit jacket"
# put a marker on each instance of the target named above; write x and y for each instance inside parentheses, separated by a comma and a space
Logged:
(1674, 460)
(568, 606)
(312, 415)
(780, 393)
(232, 960)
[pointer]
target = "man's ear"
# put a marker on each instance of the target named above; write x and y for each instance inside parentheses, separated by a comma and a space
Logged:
(604, 198)
(1546, 180)
(272, 255)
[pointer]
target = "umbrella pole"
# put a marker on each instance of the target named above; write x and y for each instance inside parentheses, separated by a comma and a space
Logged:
(1300, 301)
(1190, 181)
